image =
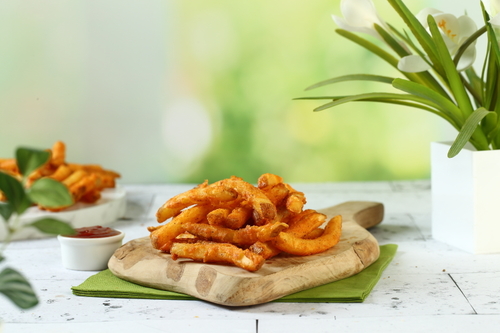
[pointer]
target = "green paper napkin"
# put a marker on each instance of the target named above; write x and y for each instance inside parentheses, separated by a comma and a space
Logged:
(352, 289)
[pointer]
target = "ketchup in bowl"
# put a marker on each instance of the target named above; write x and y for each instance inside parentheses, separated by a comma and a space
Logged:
(90, 248)
(94, 232)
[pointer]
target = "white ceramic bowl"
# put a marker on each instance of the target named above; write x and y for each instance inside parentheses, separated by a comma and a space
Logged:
(88, 254)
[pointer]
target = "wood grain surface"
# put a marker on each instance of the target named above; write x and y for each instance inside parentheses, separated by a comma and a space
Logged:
(137, 262)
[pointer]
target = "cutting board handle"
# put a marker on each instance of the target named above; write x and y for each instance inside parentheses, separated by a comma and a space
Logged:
(365, 213)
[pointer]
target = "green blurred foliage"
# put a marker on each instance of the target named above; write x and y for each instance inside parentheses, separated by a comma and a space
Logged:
(246, 61)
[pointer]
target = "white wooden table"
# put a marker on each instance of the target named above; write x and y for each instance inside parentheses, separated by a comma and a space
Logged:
(429, 286)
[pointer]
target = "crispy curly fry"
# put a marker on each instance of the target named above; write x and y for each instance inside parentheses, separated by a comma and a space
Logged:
(58, 154)
(295, 201)
(163, 237)
(61, 173)
(219, 253)
(212, 194)
(264, 210)
(83, 186)
(276, 193)
(238, 216)
(305, 222)
(243, 236)
(268, 179)
(303, 247)
(266, 250)
(314, 233)
(9, 165)
(218, 217)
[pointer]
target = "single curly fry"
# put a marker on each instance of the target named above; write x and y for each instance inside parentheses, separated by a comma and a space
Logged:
(218, 253)
(62, 172)
(314, 233)
(243, 236)
(303, 247)
(266, 250)
(277, 193)
(264, 210)
(218, 217)
(296, 200)
(238, 217)
(199, 195)
(305, 222)
(268, 179)
(164, 236)
(58, 154)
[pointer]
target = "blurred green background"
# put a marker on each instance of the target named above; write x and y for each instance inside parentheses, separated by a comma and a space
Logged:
(182, 91)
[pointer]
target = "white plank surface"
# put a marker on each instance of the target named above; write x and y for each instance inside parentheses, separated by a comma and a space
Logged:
(427, 287)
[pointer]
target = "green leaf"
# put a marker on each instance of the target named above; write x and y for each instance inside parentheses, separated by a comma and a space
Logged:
(371, 97)
(17, 289)
(452, 75)
(353, 77)
(467, 131)
(28, 159)
(52, 226)
(50, 193)
(14, 191)
(6, 210)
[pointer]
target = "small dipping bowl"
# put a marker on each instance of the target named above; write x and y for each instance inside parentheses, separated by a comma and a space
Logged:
(83, 253)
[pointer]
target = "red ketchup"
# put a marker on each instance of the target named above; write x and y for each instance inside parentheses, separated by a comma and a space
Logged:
(94, 232)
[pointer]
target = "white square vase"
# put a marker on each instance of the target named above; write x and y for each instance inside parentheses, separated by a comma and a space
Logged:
(466, 198)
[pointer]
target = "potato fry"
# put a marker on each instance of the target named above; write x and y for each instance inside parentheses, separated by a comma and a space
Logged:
(61, 173)
(9, 164)
(305, 222)
(303, 247)
(314, 233)
(277, 193)
(58, 154)
(163, 237)
(268, 179)
(218, 217)
(84, 185)
(218, 253)
(242, 237)
(212, 194)
(238, 216)
(264, 210)
(74, 178)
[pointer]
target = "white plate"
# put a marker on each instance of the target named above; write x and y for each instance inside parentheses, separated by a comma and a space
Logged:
(107, 210)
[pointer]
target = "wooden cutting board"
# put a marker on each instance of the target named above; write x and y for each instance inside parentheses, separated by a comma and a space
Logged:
(137, 262)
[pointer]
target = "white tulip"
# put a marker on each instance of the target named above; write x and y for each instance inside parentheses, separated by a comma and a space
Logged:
(359, 16)
(454, 31)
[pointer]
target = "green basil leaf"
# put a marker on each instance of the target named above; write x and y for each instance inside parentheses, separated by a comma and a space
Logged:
(52, 226)
(17, 289)
(6, 210)
(14, 191)
(50, 193)
(467, 131)
(28, 159)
